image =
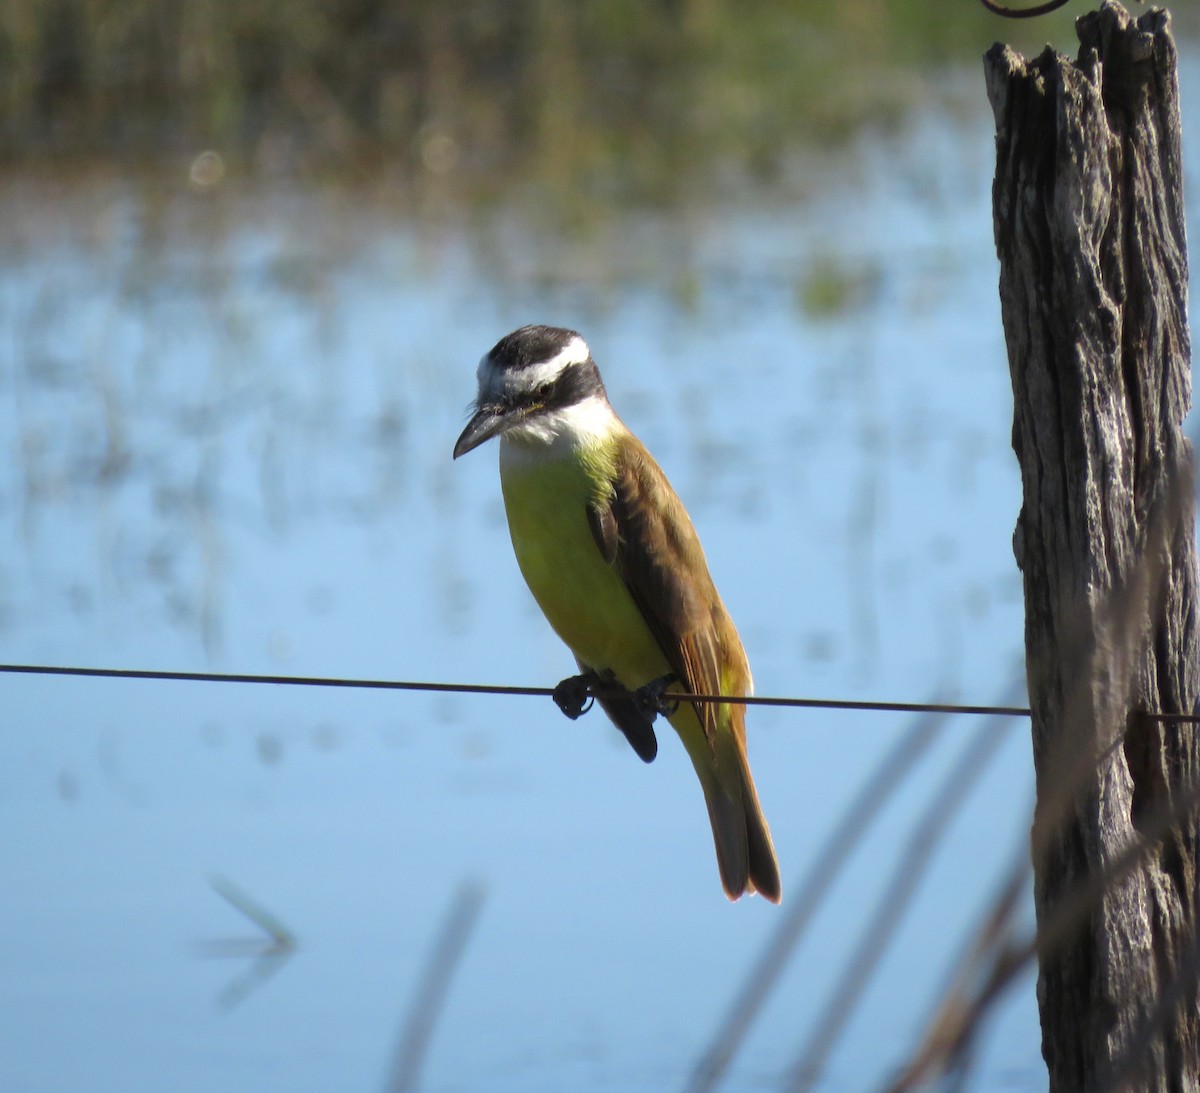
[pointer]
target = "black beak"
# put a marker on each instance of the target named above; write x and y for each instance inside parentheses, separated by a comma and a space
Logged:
(487, 422)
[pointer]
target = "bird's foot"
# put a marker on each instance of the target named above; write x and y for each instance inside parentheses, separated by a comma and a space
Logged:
(651, 697)
(574, 694)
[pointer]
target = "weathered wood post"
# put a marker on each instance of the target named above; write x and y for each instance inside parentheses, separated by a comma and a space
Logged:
(1088, 211)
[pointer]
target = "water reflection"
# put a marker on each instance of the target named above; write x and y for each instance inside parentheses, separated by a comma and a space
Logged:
(264, 955)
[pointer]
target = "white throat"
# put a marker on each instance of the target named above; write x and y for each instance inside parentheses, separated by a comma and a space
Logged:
(559, 433)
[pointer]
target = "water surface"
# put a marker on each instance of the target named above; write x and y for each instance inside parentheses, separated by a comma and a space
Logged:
(229, 418)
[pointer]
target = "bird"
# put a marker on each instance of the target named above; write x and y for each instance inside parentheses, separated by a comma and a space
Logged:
(612, 559)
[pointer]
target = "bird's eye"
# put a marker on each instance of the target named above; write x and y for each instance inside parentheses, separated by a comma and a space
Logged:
(540, 395)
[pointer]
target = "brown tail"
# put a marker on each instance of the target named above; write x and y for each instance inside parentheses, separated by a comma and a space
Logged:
(745, 854)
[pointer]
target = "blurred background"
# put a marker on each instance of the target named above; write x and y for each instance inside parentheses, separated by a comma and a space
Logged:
(250, 255)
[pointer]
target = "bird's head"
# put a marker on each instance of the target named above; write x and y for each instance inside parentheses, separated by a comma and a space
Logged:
(536, 384)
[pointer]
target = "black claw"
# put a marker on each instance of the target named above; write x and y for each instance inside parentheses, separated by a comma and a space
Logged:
(651, 697)
(633, 712)
(574, 695)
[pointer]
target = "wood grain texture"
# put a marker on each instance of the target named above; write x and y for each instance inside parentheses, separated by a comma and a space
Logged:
(1089, 226)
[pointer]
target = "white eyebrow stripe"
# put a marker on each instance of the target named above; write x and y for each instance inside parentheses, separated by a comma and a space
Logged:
(494, 382)
(574, 352)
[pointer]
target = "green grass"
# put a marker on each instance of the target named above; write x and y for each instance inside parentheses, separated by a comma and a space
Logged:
(580, 110)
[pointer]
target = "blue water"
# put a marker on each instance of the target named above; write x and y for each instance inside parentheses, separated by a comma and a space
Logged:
(228, 421)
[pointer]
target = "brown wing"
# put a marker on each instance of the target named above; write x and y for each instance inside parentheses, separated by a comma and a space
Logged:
(659, 556)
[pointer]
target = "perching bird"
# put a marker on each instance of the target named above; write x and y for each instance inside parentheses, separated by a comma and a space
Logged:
(611, 557)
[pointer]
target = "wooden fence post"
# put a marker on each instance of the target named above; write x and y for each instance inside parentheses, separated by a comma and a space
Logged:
(1089, 224)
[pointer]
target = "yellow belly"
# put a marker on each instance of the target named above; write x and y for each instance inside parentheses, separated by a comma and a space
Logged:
(581, 595)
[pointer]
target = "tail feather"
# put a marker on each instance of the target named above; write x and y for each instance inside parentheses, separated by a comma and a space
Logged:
(764, 866)
(745, 854)
(728, 819)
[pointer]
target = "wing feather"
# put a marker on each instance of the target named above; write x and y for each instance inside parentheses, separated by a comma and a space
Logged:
(646, 534)
(659, 557)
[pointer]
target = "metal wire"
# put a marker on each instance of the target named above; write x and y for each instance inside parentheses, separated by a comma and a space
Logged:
(1023, 13)
(537, 692)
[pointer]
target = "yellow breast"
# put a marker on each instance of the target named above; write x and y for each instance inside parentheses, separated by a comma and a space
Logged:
(581, 595)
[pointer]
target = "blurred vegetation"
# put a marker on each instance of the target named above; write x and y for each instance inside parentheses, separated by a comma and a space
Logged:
(620, 99)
